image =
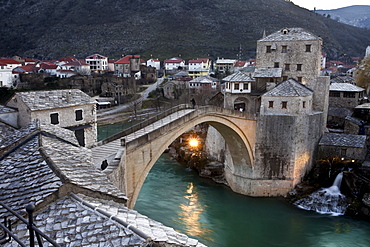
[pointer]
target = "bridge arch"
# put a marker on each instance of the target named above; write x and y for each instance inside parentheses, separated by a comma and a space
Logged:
(239, 135)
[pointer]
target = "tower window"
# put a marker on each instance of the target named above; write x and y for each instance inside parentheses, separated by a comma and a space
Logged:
(268, 49)
(271, 104)
(304, 104)
(299, 78)
(276, 65)
(284, 49)
(308, 48)
(287, 66)
(299, 67)
(284, 104)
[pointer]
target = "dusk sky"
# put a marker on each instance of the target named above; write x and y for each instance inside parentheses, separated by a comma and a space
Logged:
(328, 4)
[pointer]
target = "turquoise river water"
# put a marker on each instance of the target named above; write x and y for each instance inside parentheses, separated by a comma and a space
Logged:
(218, 217)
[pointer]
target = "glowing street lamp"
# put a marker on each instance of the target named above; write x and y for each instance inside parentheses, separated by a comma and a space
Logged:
(193, 143)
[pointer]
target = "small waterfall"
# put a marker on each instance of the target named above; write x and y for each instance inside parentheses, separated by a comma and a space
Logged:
(326, 200)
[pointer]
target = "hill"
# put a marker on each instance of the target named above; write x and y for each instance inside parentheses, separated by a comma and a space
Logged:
(357, 15)
(49, 29)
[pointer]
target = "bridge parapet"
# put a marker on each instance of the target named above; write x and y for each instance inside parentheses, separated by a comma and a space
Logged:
(143, 124)
(133, 141)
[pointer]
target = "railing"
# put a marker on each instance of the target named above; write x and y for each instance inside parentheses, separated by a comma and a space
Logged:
(32, 229)
(143, 124)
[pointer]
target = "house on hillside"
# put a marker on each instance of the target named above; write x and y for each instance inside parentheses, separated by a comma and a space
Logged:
(78, 66)
(225, 66)
(128, 66)
(173, 65)
(199, 67)
(155, 63)
(7, 77)
(98, 63)
(71, 109)
(204, 84)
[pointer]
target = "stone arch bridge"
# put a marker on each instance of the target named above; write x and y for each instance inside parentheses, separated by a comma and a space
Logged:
(132, 153)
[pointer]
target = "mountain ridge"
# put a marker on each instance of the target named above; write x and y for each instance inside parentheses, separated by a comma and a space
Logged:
(49, 29)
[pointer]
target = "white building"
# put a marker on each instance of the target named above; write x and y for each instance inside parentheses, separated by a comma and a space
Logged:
(154, 62)
(98, 63)
(367, 52)
(7, 78)
(174, 63)
(199, 67)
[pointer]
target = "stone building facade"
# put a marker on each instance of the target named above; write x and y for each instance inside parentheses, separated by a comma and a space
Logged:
(71, 109)
(345, 95)
(290, 100)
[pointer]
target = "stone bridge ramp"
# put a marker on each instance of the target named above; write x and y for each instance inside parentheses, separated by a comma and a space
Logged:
(113, 150)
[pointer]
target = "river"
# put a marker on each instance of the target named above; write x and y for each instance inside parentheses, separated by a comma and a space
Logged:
(218, 217)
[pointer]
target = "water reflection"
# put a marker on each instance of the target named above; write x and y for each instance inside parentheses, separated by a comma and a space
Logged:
(191, 213)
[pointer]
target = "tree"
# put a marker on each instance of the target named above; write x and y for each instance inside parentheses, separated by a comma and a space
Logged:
(362, 74)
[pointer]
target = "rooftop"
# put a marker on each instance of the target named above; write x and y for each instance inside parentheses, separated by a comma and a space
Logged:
(239, 76)
(41, 100)
(343, 140)
(289, 88)
(290, 34)
(345, 87)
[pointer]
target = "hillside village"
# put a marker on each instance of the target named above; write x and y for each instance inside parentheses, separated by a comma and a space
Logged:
(314, 101)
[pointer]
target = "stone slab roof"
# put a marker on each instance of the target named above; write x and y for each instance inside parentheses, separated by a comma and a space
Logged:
(289, 88)
(290, 34)
(41, 100)
(343, 79)
(239, 76)
(268, 72)
(46, 169)
(204, 79)
(354, 120)
(339, 112)
(4, 109)
(345, 87)
(343, 140)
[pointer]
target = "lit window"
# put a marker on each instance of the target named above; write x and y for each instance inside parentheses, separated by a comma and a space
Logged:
(284, 104)
(54, 118)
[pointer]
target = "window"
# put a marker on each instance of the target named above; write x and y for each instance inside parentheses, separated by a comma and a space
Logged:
(304, 104)
(299, 78)
(268, 48)
(284, 49)
(285, 78)
(334, 94)
(245, 86)
(287, 66)
(284, 104)
(308, 48)
(54, 118)
(299, 67)
(276, 65)
(78, 114)
(271, 104)
(349, 95)
(236, 86)
(343, 152)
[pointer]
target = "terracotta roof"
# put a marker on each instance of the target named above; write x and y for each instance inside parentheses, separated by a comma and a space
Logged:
(240, 63)
(9, 61)
(68, 58)
(199, 60)
(96, 56)
(126, 59)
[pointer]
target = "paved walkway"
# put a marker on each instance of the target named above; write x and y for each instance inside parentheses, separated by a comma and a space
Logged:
(112, 151)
